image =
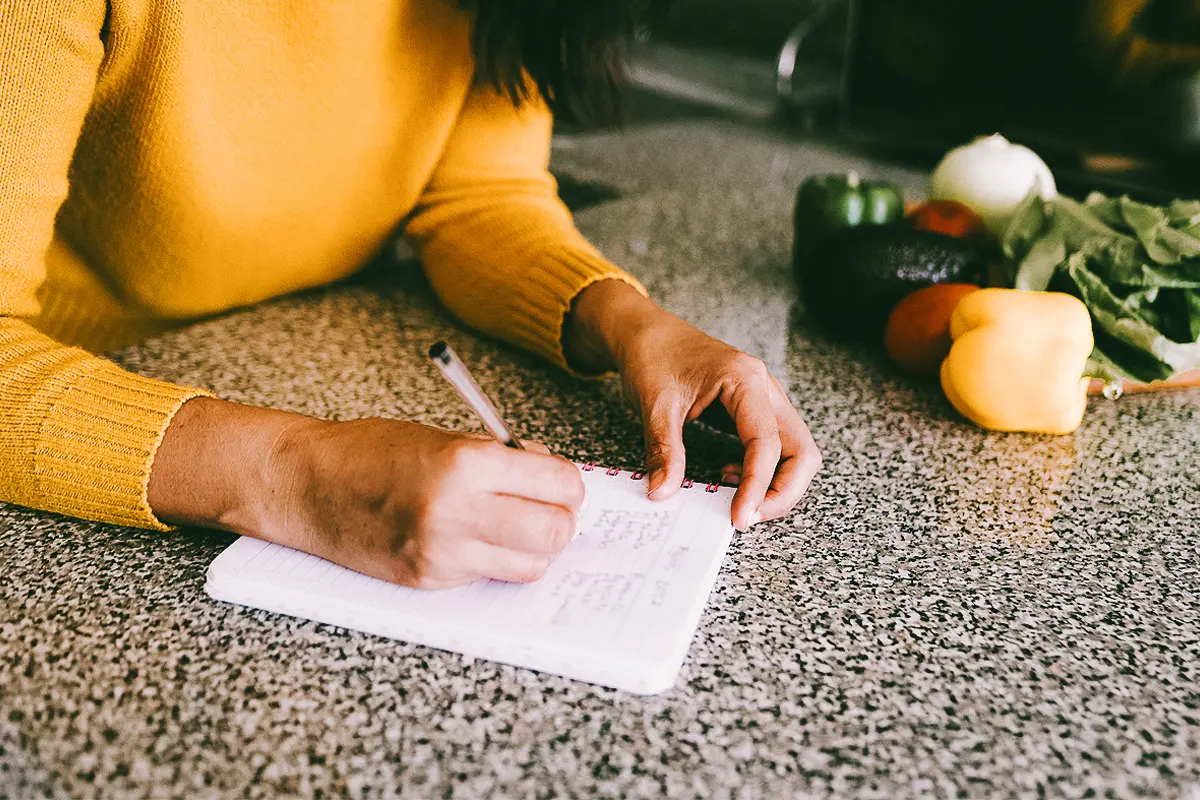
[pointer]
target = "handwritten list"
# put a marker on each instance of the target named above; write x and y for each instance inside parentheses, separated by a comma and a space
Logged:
(629, 587)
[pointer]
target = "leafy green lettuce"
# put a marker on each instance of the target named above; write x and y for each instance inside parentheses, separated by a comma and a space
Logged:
(1136, 266)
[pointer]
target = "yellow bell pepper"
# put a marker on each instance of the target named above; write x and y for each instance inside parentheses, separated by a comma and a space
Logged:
(1017, 360)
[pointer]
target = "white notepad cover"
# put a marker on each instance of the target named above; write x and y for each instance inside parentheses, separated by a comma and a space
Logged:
(618, 607)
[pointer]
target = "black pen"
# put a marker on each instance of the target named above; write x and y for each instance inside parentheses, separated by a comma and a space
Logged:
(456, 373)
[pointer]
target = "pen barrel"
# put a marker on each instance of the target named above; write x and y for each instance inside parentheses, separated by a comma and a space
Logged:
(456, 373)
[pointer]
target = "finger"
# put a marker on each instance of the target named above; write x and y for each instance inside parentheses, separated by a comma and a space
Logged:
(791, 482)
(731, 474)
(511, 566)
(793, 479)
(749, 403)
(801, 459)
(525, 526)
(535, 447)
(665, 455)
(533, 476)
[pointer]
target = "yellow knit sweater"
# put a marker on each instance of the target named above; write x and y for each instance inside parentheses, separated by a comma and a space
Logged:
(161, 160)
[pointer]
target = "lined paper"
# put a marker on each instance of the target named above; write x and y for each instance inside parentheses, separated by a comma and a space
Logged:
(618, 607)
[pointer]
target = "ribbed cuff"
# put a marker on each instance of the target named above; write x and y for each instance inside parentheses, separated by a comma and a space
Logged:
(97, 445)
(539, 303)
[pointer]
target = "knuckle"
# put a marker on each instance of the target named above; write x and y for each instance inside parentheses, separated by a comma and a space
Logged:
(462, 455)
(660, 450)
(568, 484)
(560, 530)
(749, 366)
(532, 571)
(766, 446)
(663, 454)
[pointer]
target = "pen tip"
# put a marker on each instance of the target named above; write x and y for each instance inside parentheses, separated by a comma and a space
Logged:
(438, 351)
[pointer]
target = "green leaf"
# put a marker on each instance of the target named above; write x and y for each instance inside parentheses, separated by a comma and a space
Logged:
(1107, 210)
(1147, 224)
(1028, 223)
(1080, 222)
(1083, 228)
(1112, 317)
(1119, 268)
(1184, 213)
(1039, 265)
(1111, 358)
(1185, 216)
(1136, 267)
(1151, 225)
(1102, 367)
(1140, 304)
(1193, 304)
(1154, 255)
(1185, 245)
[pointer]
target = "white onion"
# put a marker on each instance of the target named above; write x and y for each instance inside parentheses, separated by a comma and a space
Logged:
(992, 176)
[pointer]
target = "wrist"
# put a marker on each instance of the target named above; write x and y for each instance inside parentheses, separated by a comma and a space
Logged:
(604, 318)
(216, 466)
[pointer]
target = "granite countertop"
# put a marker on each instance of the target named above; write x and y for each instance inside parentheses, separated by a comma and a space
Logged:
(949, 612)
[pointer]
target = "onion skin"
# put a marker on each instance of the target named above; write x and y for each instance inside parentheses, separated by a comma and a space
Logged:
(992, 176)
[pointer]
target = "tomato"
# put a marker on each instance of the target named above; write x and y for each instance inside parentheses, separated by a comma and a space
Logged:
(917, 336)
(949, 217)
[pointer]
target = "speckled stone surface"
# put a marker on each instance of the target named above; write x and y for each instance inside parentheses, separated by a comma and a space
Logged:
(949, 613)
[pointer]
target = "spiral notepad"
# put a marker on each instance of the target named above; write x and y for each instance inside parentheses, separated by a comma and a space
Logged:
(618, 607)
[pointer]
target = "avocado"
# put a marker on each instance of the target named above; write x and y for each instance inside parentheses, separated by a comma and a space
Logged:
(852, 279)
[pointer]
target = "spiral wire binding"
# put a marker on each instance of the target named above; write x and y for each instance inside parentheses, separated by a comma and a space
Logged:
(638, 475)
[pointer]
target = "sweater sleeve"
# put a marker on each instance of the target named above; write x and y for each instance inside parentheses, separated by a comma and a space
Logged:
(499, 247)
(77, 434)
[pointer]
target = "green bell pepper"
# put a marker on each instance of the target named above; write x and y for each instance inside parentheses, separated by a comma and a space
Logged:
(828, 203)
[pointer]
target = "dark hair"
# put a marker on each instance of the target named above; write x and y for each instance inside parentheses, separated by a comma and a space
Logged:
(571, 52)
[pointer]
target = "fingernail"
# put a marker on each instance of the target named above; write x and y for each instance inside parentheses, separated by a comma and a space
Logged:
(656, 482)
(755, 518)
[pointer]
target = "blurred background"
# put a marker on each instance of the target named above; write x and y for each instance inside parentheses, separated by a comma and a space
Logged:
(1108, 91)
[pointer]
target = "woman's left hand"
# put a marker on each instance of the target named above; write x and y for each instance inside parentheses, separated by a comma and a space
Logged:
(672, 372)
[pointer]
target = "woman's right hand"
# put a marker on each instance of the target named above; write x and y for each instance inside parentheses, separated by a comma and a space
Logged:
(396, 500)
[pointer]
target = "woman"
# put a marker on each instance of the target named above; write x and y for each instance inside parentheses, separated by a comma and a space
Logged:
(163, 160)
